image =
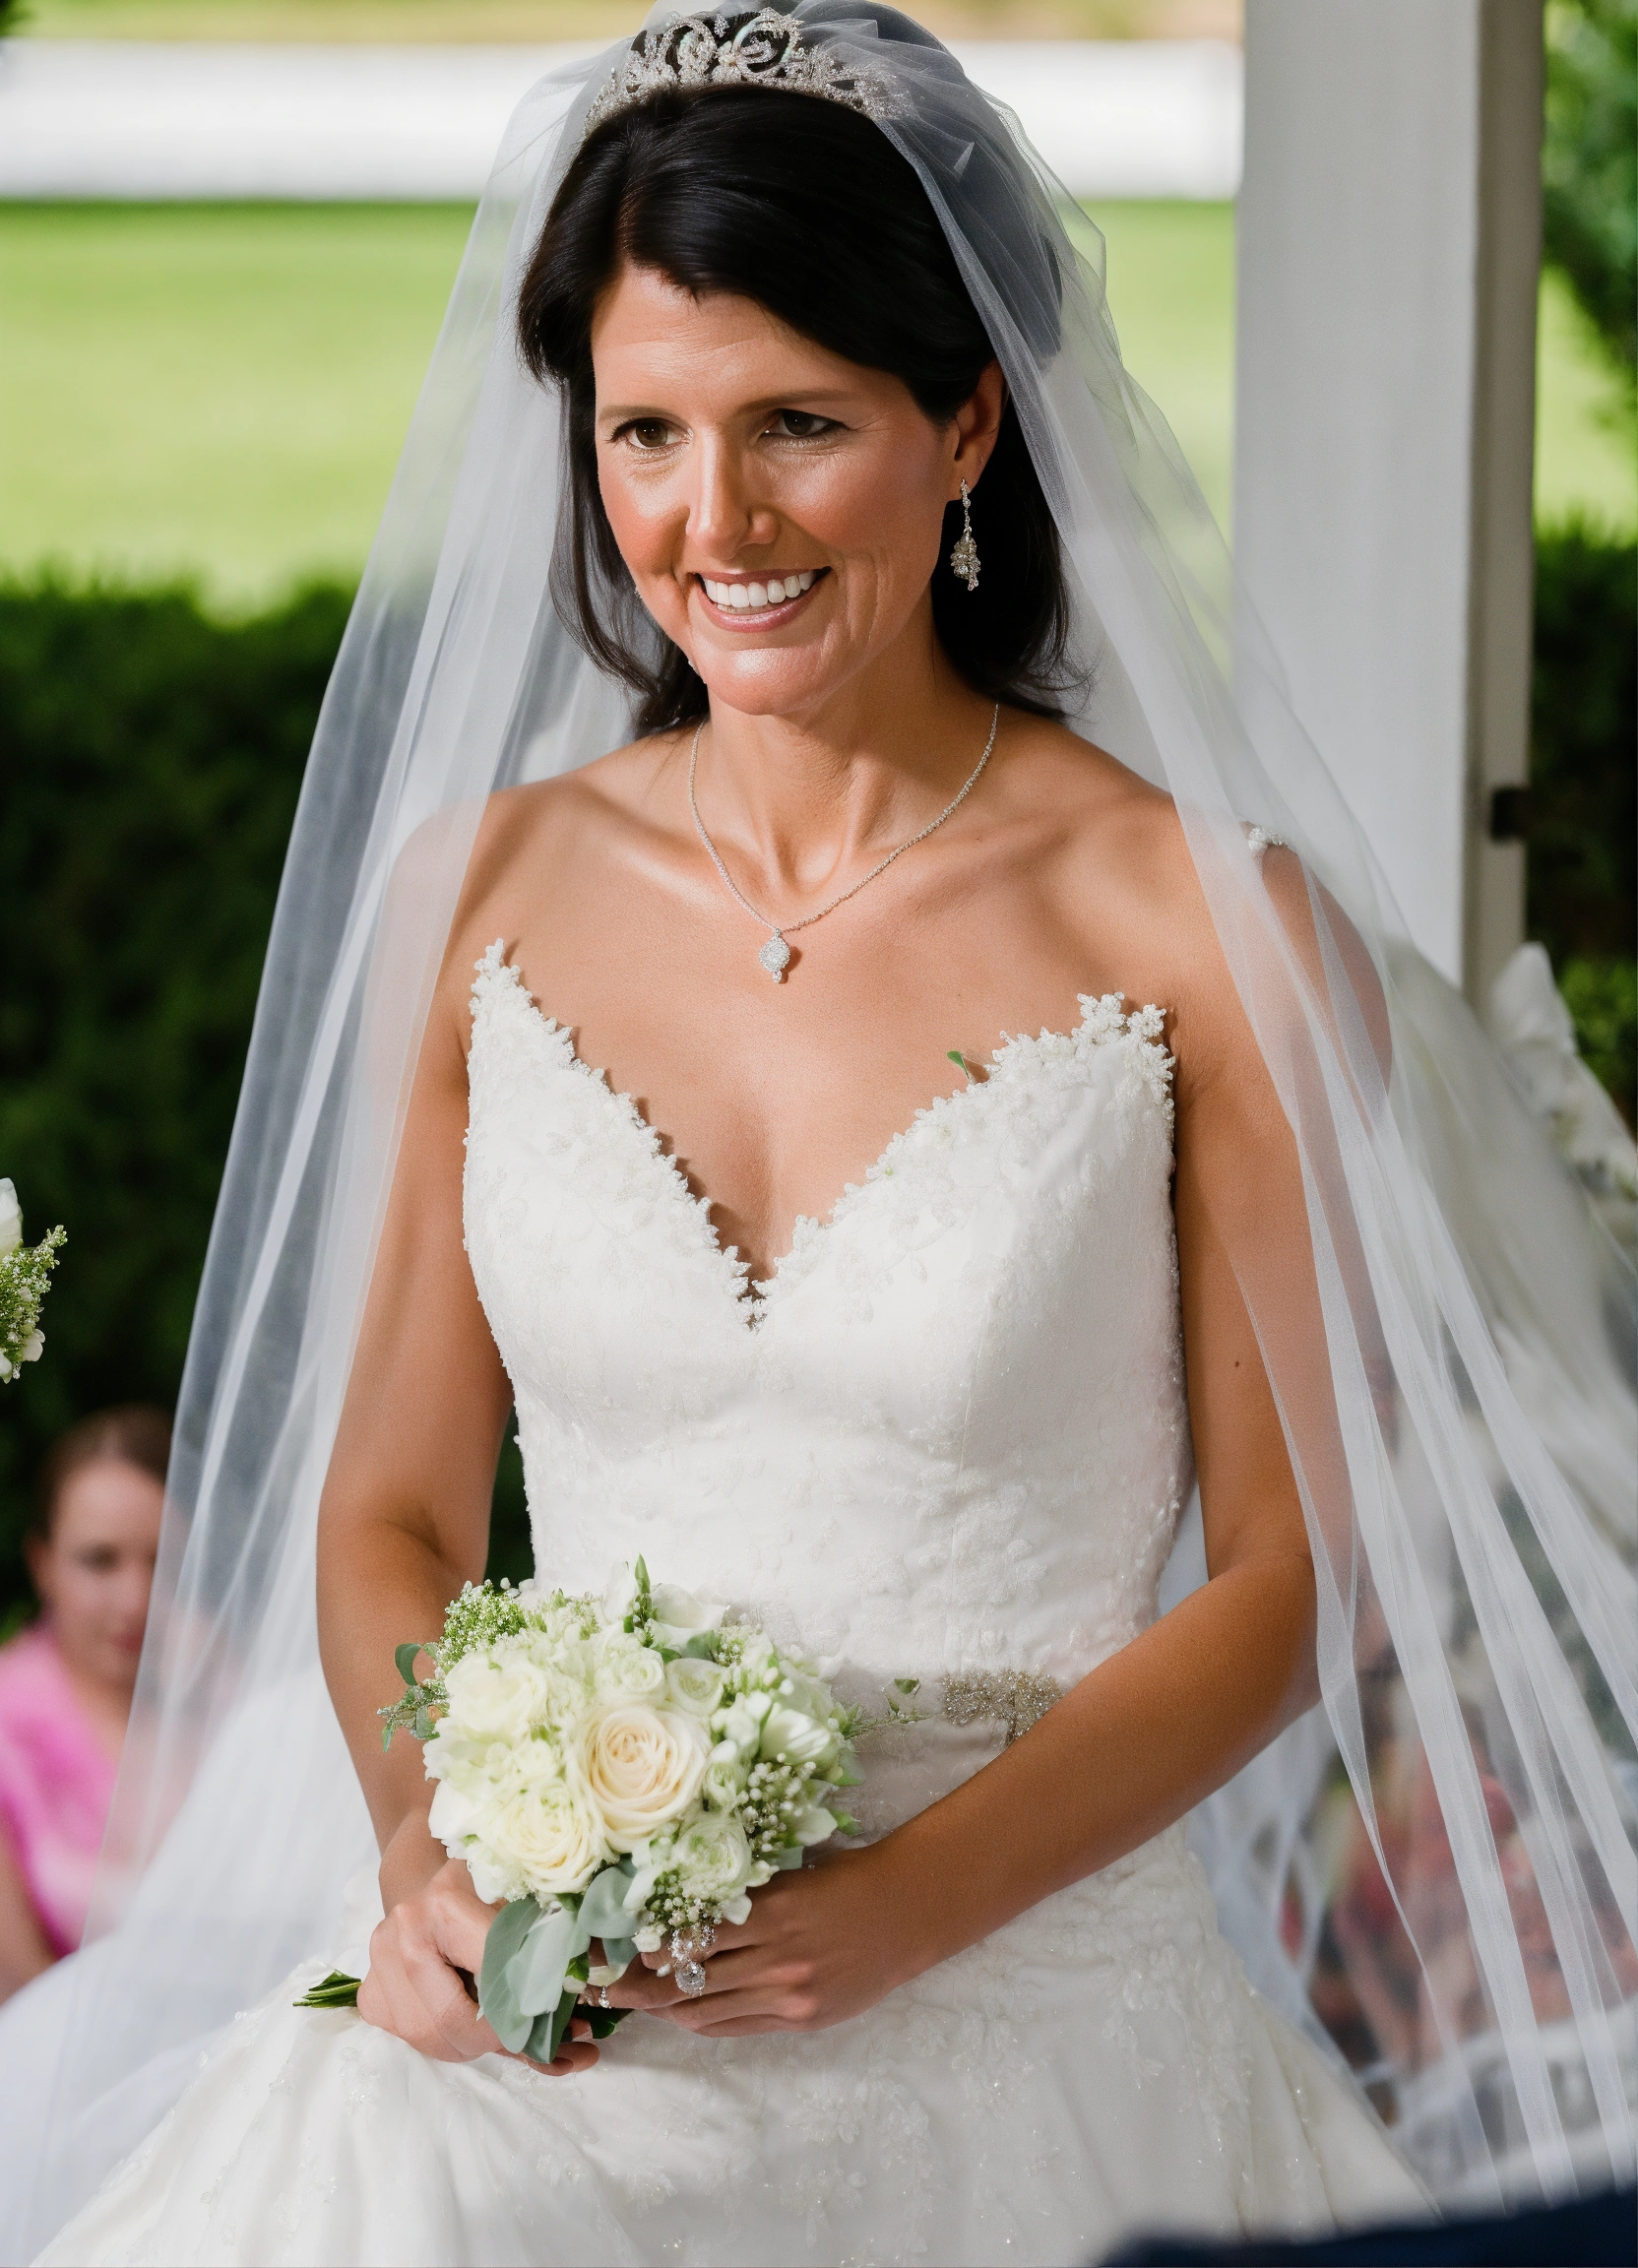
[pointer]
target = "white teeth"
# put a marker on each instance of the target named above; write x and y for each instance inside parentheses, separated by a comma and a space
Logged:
(741, 598)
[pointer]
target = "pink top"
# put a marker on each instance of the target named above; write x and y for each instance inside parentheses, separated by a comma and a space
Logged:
(56, 1783)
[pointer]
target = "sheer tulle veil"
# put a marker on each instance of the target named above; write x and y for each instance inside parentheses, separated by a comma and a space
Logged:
(1435, 1874)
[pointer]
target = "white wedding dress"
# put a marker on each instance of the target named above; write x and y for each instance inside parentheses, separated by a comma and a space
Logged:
(948, 1440)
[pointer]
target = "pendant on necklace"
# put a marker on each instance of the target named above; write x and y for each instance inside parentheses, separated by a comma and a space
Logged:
(776, 957)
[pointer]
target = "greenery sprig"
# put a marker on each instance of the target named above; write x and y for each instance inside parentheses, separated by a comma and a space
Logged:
(24, 1278)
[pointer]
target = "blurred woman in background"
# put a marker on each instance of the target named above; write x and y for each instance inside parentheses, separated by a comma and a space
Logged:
(66, 1681)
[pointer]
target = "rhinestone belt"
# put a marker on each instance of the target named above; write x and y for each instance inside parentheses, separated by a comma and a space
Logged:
(1013, 1698)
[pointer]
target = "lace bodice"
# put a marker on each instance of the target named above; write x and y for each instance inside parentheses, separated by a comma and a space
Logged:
(948, 1437)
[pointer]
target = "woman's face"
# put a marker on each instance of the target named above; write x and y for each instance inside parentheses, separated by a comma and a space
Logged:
(733, 455)
(95, 1570)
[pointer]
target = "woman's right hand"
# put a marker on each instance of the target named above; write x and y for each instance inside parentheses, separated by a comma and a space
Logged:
(425, 1955)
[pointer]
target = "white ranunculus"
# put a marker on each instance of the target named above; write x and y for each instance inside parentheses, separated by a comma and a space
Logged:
(640, 1766)
(724, 1781)
(625, 1666)
(553, 1836)
(713, 1857)
(11, 1220)
(498, 1696)
(789, 1732)
(694, 1687)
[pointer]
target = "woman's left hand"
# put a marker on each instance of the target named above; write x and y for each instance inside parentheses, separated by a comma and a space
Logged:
(823, 1944)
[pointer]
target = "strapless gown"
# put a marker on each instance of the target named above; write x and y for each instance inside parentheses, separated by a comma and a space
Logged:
(948, 1440)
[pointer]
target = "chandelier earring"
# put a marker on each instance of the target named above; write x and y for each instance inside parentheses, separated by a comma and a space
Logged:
(963, 559)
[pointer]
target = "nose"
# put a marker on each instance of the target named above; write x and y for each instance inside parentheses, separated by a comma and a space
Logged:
(726, 515)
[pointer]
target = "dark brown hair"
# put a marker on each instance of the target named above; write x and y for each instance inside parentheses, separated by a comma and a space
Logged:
(807, 208)
(134, 1435)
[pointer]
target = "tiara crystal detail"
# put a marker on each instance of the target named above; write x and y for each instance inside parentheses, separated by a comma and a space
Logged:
(766, 49)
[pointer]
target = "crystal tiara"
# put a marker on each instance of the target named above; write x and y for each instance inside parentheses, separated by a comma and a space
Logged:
(766, 49)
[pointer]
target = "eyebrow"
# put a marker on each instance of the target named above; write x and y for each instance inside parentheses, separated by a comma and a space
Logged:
(619, 411)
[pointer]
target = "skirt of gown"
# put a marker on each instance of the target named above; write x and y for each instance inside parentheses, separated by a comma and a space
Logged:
(1099, 2066)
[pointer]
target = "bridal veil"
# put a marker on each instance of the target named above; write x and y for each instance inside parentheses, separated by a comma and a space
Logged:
(1435, 1874)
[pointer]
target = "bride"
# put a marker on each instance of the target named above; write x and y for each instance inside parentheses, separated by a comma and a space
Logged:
(886, 1147)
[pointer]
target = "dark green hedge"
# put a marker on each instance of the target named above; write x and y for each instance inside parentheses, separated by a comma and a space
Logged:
(149, 758)
(1581, 898)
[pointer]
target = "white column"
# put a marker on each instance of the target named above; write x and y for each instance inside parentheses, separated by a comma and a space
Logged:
(1389, 240)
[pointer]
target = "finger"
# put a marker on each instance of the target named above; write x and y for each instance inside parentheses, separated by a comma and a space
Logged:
(578, 2051)
(641, 1989)
(452, 2014)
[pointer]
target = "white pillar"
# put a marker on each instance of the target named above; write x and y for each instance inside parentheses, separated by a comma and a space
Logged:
(1389, 241)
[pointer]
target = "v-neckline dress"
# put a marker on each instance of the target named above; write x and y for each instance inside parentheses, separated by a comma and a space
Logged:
(948, 1439)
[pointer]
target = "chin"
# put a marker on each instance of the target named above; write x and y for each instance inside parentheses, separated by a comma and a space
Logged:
(792, 685)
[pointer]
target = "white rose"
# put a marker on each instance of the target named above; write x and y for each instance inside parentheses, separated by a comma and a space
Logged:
(626, 1666)
(11, 1220)
(641, 1767)
(713, 1857)
(552, 1834)
(33, 1347)
(694, 1687)
(789, 1732)
(500, 1697)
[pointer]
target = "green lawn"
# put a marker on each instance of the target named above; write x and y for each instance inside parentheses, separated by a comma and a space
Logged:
(222, 391)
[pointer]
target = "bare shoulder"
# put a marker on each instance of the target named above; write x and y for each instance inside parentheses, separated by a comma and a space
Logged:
(1126, 887)
(529, 838)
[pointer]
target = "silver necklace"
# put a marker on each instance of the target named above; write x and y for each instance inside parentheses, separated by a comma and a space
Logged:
(774, 956)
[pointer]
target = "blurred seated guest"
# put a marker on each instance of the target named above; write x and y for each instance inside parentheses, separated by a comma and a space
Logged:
(66, 1682)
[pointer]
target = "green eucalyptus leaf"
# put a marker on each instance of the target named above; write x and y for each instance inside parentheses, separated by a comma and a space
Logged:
(497, 1998)
(619, 1954)
(702, 1647)
(404, 1658)
(603, 1909)
(540, 1963)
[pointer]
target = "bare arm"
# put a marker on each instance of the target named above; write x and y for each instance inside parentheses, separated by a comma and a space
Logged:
(404, 1523)
(24, 1951)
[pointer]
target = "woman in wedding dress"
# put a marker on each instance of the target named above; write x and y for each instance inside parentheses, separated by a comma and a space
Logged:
(836, 1122)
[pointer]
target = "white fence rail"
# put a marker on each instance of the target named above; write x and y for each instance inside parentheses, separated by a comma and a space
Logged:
(85, 118)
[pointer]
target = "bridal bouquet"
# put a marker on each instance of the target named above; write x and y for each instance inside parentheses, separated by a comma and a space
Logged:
(24, 1278)
(625, 1770)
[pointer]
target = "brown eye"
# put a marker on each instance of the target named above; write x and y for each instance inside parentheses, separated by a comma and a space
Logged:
(800, 424)
(648, 432)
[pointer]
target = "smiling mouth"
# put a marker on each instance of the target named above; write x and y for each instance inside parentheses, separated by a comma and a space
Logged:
(760, 598)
